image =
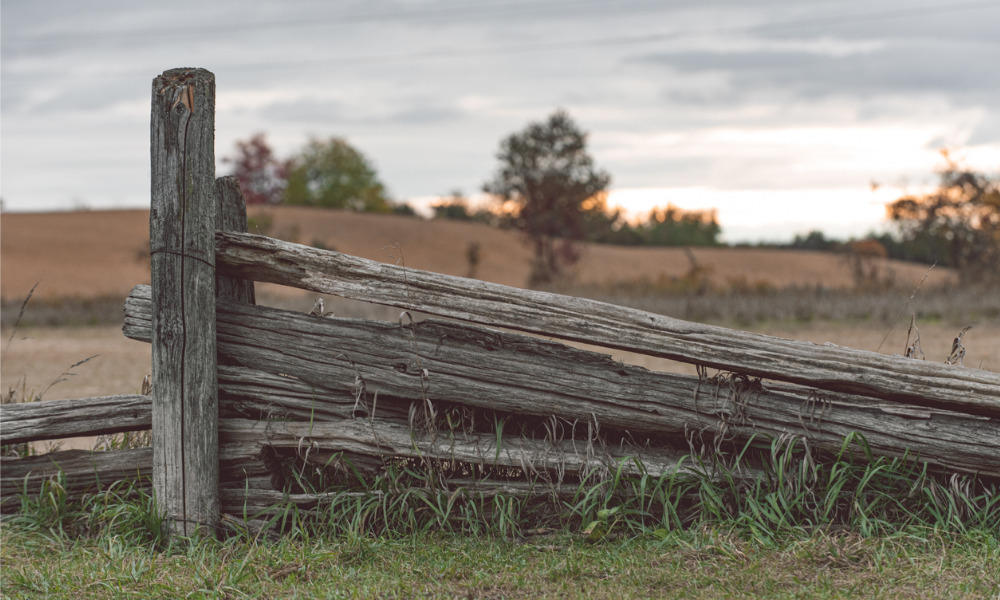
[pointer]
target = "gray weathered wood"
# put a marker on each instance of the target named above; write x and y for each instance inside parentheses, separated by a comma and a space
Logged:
(231, 215)
(251, 502)
(826, 367)
(522, 375)
(255, 502)
(84, 472)
(372, 437)
(54, 419)
(181, 226)
(246, 391)
(255, 393)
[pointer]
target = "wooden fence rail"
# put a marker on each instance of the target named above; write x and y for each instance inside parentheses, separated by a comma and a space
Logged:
(82, 472)
(76, 417)
(825, 366)
(325, 358)
(289, 365)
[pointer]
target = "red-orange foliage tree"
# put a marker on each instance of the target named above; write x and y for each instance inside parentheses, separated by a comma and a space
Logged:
(262, 176)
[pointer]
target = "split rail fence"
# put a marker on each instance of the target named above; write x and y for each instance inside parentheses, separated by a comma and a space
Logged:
(245, 397)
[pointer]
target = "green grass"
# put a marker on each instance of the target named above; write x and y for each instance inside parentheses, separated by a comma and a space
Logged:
(844, 526)
(703, 563)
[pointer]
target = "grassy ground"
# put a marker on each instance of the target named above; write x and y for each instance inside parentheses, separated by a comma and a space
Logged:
(707, 563)
(806, 528)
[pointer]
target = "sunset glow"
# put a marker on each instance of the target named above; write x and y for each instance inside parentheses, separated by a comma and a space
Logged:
(770, 215)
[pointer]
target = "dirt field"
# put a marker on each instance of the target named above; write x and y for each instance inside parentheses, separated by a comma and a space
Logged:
(105, 253)
(39, 362)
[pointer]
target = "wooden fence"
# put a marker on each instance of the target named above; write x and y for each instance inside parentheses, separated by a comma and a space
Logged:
(245, 396)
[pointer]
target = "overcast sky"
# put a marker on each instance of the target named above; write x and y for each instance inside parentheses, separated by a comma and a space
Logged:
(779, 113)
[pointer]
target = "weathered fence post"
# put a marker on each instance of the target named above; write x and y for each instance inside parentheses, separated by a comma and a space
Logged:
(182, 246)
(232, 216)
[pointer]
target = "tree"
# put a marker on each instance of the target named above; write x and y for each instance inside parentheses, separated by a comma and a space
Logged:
(455, 207)
(546, 172)
(672, 226)
(333, 174)
(404, 210)
(814, 240)
(959, 223)
(261, 176)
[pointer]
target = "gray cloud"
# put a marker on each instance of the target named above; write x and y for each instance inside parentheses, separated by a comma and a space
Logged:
(421, 114)
(957, 22)
(332, 112)
(427, 88)
(305, 110)
(986, 131)
(901, 69)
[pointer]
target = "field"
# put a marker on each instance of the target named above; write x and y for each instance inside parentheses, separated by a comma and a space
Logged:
(105, 253)
(85, 264)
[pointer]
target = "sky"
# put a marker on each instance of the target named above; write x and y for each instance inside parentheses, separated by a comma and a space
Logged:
(780, 114)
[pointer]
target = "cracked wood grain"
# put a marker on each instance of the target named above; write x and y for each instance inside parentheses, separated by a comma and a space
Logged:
(314, 364)
(827, 366)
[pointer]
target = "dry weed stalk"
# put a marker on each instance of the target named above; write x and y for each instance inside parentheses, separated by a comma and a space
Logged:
(11, 396)
(815, 399)
(741, 391)
(318, 310)
(17, 321)
(434, 469)
(733, 393)
(913, 350)
(957, 354)
(913, 294)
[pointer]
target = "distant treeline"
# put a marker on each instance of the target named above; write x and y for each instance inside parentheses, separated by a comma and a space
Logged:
(670, 226)
(920, 248)
(547, 187)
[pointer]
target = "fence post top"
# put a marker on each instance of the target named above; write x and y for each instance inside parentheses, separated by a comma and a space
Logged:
(186, 72)
(174, 79)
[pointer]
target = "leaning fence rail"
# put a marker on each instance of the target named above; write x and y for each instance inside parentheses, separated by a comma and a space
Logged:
(827, 366)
